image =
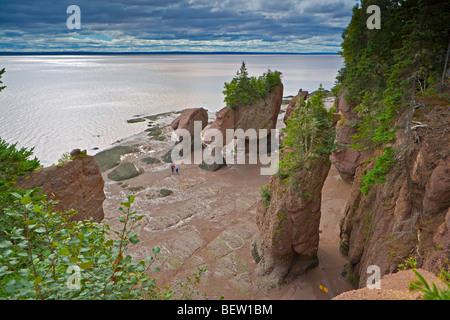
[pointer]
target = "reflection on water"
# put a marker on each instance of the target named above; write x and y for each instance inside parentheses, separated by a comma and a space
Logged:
(59, 103)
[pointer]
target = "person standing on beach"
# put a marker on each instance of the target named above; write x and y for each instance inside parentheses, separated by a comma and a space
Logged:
(172, 167)
(176, 169)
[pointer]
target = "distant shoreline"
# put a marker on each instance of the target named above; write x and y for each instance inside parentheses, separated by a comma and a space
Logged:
(72, 53)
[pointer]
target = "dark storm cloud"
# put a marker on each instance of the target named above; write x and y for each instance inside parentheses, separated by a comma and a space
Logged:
(252, 25)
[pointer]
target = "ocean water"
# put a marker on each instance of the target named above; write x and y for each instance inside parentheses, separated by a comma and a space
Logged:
(58, 103)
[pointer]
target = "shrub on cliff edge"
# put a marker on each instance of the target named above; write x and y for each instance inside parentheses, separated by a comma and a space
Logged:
(244, 90)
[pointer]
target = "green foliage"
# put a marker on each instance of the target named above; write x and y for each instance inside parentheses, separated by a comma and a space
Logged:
(244, 90)
(409, 263)
(65, 157)
(309, 136)
(385, 68)
(377, 175)
(190, 288)
(13, 163)
(432, 293)
(42, 249)
(2, 71)
(266, 195)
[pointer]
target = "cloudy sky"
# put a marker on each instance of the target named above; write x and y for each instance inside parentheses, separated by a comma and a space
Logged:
(293, 26)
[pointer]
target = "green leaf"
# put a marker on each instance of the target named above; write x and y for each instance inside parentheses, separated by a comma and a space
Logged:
(37, 209)
(40, 230)
(28, 222)
(18, 196)
(86, 265)
(25, 200)
(5, 244)
(38, 280)
(156, 250)
(64, 252)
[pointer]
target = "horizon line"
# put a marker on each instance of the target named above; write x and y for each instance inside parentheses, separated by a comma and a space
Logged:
(17, 53)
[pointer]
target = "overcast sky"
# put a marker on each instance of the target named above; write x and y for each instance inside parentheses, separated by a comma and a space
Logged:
(294, 26)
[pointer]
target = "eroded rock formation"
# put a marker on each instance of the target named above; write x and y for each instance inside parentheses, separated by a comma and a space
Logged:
(77, 184)
(347, 159)
(408, 215)
(288, 239)
(262, 114)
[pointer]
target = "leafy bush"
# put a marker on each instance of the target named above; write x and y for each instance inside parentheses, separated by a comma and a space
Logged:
(378, 173)
(13, 163)
(40, 252)
(244, 90)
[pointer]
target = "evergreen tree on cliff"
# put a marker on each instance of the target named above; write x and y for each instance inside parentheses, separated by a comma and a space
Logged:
(384, 68)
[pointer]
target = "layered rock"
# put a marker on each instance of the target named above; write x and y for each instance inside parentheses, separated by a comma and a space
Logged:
(77, 184)
(347, 159)
(407, 216)
(288, 238)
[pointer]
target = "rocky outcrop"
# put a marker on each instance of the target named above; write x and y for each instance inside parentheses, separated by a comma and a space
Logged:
(293, 103)
(262, 114)
(187, 119)
(77, 184)
(406, 216)
(288, 238)
(346, 159)
(224, 120)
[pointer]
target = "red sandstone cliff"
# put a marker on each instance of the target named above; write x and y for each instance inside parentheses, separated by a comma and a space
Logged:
(77, 184)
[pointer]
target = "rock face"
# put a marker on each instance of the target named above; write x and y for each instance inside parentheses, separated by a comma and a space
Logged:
(293, 103)
(262, 114)
(408, 215)
(78, 185)
(188, 117)
(347, 159)
(224, 120)
(288, 238)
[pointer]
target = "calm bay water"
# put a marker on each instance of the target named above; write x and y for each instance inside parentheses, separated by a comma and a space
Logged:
(59, 103)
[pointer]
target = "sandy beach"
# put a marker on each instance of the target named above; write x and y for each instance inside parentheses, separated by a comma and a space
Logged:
(208, 219)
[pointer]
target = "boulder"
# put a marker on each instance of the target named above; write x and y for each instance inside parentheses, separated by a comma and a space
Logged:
(187, 118)
(77, 184)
